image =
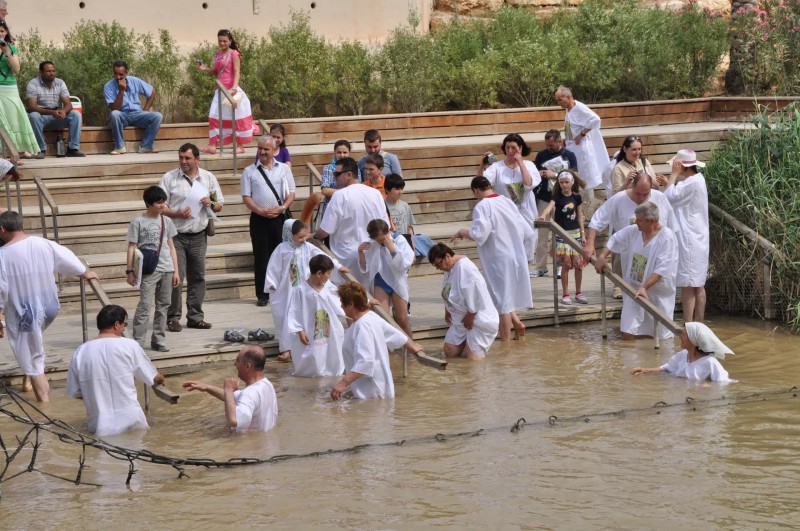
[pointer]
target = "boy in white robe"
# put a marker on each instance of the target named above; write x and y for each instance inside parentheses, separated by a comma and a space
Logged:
(649, 268)
(313, 330)
(506, 242)
(288, 269)
(366, 347)
(29, 296)
(385, 260)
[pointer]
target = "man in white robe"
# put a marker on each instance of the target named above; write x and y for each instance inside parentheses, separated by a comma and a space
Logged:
(583, 137)
(649, 255)
(351, 208)
(103, 372)
(506, 243)
(29, 294)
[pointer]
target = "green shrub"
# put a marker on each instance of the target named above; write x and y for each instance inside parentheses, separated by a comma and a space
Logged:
(353, 69)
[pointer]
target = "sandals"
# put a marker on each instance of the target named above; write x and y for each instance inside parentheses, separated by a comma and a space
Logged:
(233, 336)
(260, 335)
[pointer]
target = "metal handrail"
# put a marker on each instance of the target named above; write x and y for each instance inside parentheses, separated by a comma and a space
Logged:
(617, 280)
(223, 92)
(43, 192)
(313, 173)
(10, 152)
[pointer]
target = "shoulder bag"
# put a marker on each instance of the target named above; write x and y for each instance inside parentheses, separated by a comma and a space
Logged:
(150, 256)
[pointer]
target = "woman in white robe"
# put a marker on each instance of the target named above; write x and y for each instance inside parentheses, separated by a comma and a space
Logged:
(366, 348)
(313, 329)
(689, 199)
(649, 254)
(468, 307)
(287, 269)
(699, 359)
(505, 245)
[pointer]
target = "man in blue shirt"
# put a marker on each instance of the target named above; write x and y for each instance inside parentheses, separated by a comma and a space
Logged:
(372, 144)
(122, 95)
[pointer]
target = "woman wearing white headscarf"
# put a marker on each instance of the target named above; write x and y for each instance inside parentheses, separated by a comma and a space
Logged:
(699, 359)
(287, 268)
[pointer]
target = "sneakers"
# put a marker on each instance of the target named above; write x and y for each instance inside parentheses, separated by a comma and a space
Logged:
(41, 155)
(75, 153)
(581, 299)
(119, 151)
(144, 150)
(566, 300)
(536, 273)
(558, 272)
(159, 347)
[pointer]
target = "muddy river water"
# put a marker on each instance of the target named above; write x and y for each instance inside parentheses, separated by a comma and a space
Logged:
(727, 464)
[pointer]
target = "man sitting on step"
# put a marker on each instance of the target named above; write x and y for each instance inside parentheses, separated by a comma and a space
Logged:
(51, 110)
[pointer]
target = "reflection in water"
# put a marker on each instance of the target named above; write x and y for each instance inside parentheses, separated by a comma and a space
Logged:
(723, 467)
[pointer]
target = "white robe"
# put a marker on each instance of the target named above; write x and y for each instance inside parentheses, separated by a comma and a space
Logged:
(256, 407)
(464, 291)
(103, 372)
(29, 294)
(591, 153)
(508, 183)
(282, 276)
(618, 210)
(346, 218)
(689, 199)
(393, 270)
(317, 314)
(705, 368)
(639, 262)
(505, 244)
(366, 351)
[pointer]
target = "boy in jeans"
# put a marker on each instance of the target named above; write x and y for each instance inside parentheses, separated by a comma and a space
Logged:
(143, 232)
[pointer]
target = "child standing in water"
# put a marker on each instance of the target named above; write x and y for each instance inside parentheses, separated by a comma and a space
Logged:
(567, 203)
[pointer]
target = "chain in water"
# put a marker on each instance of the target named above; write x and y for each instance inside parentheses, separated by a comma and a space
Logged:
(27, 414)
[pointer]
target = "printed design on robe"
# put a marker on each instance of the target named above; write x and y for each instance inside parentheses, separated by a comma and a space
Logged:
(632, 220)
(515, 192)
(322, 326)
(638, 265)
(294, 275)
(446, 292)
(556, 165)
(567, 129)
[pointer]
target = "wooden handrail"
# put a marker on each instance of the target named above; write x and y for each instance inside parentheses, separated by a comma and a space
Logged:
(314, 172)
(754, 237)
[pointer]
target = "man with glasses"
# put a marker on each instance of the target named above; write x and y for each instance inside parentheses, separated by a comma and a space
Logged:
(350, 210)
(30, 296)
(103, 373)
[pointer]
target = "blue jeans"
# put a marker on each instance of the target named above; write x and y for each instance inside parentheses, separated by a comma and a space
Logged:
(149, 121)
(46, 122)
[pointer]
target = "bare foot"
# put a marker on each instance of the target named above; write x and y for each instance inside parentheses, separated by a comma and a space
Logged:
(27, 386)
(209, 150)
(284, 357)
(519, 330)
(239, 151)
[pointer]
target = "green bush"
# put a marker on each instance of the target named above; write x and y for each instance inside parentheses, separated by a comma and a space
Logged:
(353, 69)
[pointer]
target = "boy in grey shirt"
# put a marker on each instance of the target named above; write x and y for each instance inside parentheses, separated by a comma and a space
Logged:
(399, 211)
(143, 232)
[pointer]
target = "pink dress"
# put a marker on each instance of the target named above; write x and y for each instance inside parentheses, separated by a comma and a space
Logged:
(245, 128)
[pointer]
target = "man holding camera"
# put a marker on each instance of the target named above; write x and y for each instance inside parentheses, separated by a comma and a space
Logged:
(49, 108)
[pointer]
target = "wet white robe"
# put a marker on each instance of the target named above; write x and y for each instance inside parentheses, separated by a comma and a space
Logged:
(689, 199)
(103, 372)
(705, 368)
(256, 407)
(346, 218)
(30, 296)
(508, 183)
(464, 291)
(282, 276)
(617, 212)
(639, 262)
(366, 351)
(591, 153)
(394, 270)
(506, 243)
(316, 313)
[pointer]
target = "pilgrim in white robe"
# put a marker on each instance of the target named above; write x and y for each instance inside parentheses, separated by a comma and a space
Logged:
(464, 291)
(256, 407)
(346, 218)
(29, 295)
(689, 199)
(393, 269)
(366, 351)
(508, 183)
(705, 368)
(506, 242)
(317, 314)
(591, 153)
(103, 372)
(618, 212)
(639, 262)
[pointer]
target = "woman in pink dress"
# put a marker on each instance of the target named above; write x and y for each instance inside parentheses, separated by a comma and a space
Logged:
(227, 63)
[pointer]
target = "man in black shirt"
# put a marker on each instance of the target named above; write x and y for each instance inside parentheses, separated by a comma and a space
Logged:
(549, 162)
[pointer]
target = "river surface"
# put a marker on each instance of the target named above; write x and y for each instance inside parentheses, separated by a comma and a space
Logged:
(717, 463)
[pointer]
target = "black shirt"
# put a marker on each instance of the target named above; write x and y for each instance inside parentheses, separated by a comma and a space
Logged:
(542, 191)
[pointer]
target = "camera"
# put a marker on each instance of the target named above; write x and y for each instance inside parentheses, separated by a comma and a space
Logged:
(489, 159)
(2, 42)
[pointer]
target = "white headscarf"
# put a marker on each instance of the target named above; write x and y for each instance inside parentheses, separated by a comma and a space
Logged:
(302, 253)
(703, 338)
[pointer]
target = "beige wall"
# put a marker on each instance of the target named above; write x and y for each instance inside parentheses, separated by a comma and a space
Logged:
(189, 23)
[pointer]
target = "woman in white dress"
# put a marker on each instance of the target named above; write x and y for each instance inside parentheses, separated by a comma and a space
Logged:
(698, 359)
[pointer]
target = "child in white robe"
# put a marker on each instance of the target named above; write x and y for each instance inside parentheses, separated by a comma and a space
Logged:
(366, 348)
(698, 359)
(287, 269)
(313, 329)
(385, 261)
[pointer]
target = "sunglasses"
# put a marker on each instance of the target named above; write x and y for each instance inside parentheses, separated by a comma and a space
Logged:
(338, 173)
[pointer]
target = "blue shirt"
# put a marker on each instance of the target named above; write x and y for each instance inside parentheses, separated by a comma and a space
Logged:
(130, 101)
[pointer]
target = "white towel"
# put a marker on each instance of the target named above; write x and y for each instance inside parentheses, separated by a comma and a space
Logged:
(703, 338)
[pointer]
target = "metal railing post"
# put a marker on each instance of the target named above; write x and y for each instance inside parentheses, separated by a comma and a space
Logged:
(603, 305)
(41, 213)
(84, 319)
(219, 124)
(553, 248)
(235, 140)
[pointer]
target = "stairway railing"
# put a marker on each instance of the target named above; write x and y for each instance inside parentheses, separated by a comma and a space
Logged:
(9, 151)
